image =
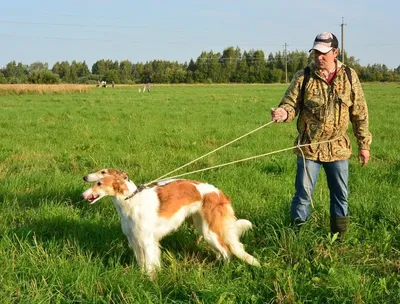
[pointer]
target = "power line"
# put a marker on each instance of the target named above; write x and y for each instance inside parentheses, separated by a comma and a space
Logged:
(73, 24)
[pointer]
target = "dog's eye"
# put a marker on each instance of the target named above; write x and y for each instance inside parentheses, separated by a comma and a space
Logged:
(103, 171)
(98, 183)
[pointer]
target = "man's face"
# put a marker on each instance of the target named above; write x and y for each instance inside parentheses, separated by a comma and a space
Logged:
(325, 60)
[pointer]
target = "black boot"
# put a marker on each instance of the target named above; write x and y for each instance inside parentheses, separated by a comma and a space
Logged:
(296, 224)
(339, 224)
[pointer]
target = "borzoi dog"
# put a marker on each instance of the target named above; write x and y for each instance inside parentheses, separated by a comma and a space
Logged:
(149, 214)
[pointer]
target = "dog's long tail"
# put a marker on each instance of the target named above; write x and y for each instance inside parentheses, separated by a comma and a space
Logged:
(242, 226)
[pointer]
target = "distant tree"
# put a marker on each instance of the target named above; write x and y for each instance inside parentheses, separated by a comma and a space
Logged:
(10, 69)
(257, 66)
(214, 68)
(242, 70)
(192, 66)
(353, 63)
(82, 69)
(99, 67)
(158, 71)
(38, 66)
(190, 74)
(270, 62)
(228, 60)
(179, 74)
(112, 75)
(279, 61)
(43, 77)
(108, 69)
(62, 69)
(15, 73)
(296, 61)
(125, 71)
(201, 73)
(270, 65)
(138, 72)
(209, 67)
(277, 76)
(3, 79)
(147, 73)
(73, 72)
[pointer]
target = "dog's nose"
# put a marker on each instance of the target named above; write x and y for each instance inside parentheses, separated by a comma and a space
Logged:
(82, 197)
(85, 178)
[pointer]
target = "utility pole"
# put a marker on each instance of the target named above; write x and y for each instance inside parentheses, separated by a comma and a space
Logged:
(342, 30)
(286, 60)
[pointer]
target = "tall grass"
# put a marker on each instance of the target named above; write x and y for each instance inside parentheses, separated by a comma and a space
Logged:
(42, 89)
(55, 248)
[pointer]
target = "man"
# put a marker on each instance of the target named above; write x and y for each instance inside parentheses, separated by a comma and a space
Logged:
(332, 99)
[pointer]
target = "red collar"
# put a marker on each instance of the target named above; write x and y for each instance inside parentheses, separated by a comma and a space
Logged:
(331, 76)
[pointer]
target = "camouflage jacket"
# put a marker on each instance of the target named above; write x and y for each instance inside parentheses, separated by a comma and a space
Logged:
(326, 112)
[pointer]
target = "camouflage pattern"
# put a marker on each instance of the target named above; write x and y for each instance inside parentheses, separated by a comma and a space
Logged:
(326, 113)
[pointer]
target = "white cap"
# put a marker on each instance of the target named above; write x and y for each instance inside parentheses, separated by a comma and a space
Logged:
(325, 42)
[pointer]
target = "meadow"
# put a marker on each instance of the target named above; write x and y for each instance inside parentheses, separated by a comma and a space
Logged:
(55, 248)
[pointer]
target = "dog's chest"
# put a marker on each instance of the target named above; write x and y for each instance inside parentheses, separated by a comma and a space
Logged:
(138, 212)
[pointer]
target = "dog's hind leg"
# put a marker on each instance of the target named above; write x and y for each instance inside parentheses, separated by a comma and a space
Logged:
(231, 238)
(213, 239)
(197, 222)
(221, 218)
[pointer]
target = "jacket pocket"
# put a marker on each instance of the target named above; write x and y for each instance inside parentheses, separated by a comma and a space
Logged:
(315, 105)
(342, 110)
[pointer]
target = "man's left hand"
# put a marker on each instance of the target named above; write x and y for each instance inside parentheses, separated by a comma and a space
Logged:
(363, 157)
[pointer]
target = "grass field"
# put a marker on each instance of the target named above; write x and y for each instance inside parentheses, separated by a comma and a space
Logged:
(55, 248)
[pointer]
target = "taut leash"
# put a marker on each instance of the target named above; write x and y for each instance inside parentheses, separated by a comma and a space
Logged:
(227, 144)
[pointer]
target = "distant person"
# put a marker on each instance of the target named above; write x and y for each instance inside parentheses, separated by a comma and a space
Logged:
(98, 83)
(333, 97)
(112, 84)
(148, 87)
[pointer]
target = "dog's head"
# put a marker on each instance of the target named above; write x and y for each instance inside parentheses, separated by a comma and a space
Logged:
(107, 186)
(94, 177)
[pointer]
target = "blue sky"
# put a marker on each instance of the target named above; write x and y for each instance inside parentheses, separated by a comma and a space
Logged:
(140, 31)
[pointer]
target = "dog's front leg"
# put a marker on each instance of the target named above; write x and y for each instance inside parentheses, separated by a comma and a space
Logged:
(152, 255)
(139, 254)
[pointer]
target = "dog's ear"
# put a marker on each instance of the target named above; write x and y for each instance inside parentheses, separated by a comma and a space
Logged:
(117, 172)
(118, 185)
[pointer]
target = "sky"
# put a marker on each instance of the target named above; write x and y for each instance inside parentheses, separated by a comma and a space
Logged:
(140, 31)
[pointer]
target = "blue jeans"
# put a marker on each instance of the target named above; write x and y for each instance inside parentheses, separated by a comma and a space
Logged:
(337, 175)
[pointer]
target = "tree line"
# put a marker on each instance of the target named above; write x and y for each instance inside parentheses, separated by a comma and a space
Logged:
(230, 66)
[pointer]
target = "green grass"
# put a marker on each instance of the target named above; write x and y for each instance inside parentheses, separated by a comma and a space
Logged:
(55, 248)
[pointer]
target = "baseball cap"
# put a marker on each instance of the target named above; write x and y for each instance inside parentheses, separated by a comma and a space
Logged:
(324, 42)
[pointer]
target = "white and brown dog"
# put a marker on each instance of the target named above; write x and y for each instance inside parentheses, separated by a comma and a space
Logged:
(149, 214)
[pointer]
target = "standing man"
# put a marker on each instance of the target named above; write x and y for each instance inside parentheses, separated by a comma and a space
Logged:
(330, 99)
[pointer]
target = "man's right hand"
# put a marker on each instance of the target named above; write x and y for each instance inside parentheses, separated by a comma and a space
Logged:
(279, 114)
